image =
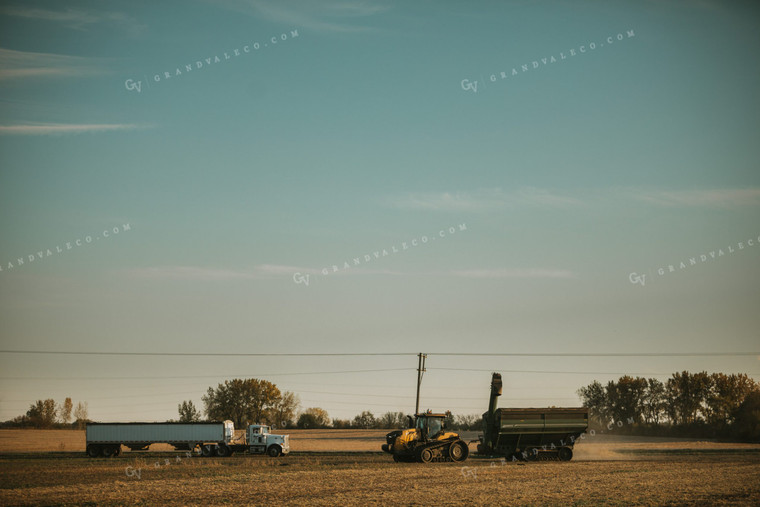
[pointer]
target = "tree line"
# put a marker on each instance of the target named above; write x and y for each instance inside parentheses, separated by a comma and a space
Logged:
(47, 414)
(254, 401)
(687, 404)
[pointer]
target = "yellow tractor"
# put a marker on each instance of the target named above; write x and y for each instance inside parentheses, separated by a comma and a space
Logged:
(426, 440)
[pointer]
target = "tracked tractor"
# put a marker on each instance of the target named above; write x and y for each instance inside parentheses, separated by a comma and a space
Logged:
(425, 441)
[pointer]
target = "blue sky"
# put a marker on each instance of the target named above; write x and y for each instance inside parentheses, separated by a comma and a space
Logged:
(352, 133)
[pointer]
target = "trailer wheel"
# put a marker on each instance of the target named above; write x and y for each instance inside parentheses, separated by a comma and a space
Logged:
(223, 451)
(565, 454)
(93, 451)
(108, 451)
(208, 450)
(117, 451)
(273, 451)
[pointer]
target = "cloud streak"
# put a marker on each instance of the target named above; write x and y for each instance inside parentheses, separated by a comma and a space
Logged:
(42, 129)
(205, 274)
(73, 18)
(515, 273)
(26, 64)
(725, 197)
(270, 271)
(320, 16)
(485, 200)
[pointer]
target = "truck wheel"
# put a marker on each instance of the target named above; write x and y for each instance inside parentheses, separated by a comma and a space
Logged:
(458, 451)
(208, 450)
(108, 451)
(223, 451)
(273, 451)
(93, 451)
(565, 454)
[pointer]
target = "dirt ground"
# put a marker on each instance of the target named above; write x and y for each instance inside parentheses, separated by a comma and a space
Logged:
(606, 470)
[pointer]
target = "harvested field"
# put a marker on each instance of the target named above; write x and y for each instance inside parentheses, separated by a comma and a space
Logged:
(606, 470)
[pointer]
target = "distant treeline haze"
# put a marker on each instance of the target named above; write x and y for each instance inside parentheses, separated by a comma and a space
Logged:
(687, 404)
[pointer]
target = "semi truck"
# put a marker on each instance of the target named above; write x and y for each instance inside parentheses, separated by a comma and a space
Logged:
(530, 433)
(203, 438)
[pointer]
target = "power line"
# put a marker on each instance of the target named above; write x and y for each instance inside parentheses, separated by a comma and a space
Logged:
(370, 354)
(595, 354)
(208, 354)
(554, 371)
(210, 376)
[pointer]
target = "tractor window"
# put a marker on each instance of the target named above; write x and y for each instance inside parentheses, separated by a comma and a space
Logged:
(434, 426)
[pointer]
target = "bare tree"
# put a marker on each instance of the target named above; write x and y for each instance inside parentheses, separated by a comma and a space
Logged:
(64, 411)
(283, 412)
(392, 420)
(81, 415)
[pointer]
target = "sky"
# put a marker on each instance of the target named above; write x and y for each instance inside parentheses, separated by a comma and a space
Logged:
(491, 177)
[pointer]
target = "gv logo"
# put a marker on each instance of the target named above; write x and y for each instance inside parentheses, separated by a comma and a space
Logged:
(468, 472)
(299, 278)
(634, 278)
(134, 472)
(467, 85)
(131, 85)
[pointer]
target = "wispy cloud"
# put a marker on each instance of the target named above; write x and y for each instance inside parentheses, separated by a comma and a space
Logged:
(515, 273)
(483, 200)
(65, 128)
(320, 16)
(206, 274)
(74, 18)
(726, 197)
(25, 64)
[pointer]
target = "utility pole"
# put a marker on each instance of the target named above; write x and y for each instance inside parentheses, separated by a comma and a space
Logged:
(420, 371)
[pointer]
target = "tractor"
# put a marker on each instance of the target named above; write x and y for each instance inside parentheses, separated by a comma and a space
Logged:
(425, 441)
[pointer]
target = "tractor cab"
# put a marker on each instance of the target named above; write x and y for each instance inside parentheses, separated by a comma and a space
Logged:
(429, 425)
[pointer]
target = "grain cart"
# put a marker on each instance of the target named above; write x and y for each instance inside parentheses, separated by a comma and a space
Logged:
(426, 440)
(530, 433)
(206, 438)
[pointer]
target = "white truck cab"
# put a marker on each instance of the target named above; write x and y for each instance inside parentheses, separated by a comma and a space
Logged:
(260, 440)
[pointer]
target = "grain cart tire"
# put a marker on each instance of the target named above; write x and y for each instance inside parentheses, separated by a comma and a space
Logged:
(93, 450)
(458, 451)
(208, 450)
(425, 455)
(223, 451)
(108, 451)
(273, 451)
(565, 454)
